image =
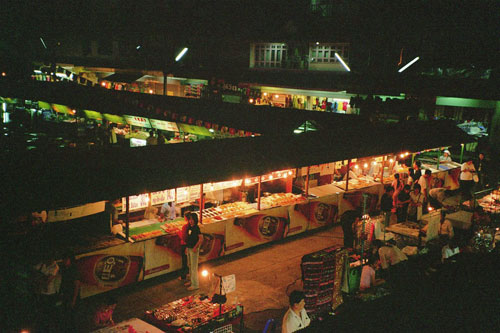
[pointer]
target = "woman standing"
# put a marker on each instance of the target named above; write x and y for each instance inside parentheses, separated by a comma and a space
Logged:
(466, 178)
(194, 240)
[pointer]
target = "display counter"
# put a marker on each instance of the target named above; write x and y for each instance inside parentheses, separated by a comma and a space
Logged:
(194, 314)
(356, 183)
(408, 233)
(489, 200)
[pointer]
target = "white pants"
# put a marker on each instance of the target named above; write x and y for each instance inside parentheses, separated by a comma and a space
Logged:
(192, 257)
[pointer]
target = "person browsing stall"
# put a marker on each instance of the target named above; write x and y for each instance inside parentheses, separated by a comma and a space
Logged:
(402, 203)
(387, 204)
(416, 204)
(296, 317)
(368, 279)
(194, 241)
(389, 254)
(445, 226)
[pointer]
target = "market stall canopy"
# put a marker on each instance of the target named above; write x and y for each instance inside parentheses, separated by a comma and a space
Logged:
(45, 180)
(44, 105)
(193, 129)
(114, 118)
(264, 120)
(93, 115)
(62, 109)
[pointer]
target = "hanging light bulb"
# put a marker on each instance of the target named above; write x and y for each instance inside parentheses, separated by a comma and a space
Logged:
(391, 160)
(365, 165)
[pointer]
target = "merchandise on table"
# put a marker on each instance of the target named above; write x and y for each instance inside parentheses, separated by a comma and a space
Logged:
(322, 274)
(191, 313)
(360, 182)
(280, 199)
(227, 211)
(490, 202)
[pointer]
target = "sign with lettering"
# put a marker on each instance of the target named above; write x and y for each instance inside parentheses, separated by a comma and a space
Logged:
(136, 202)
(162, 196)
(137, 121)
(164, 125)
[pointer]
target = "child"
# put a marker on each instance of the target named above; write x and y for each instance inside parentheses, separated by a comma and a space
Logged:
(368, 280)
(104, 314)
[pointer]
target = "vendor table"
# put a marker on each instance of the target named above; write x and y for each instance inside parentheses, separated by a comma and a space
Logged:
(131, 325)
(194, 314)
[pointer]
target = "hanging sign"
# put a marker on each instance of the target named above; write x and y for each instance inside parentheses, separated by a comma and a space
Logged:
(164, 125)
(137, 121)
(136, 202)
(162, 196)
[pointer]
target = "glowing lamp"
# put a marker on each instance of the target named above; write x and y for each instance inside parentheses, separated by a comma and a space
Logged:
(247, 181)
(402, 155)
(342, 62)
(150, 91)
(181, 54)
(289, 172)
(265, 94)
(103, 84)
(391, 160)
(250, 100)
(356, 166)
(276, 96)
(408, 64)
(365, 165)
(204, 273)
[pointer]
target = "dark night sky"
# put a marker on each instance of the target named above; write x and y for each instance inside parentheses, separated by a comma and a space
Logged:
(444, 32)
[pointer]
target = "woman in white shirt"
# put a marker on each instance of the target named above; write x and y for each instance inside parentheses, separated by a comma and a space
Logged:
(296, 317)
(466, 178)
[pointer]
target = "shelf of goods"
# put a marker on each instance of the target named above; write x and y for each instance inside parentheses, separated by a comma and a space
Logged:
(490, 202)
(227, 211)
(193, 314)
(322, 273)
(360, 182)
(280, 199)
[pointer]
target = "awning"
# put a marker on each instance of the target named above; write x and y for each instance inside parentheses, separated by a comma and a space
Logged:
(62, 109)
(114, 118)
(164, 125)
(123, 77)
(8, 100)
(44, 105)
(198, 130)
(93, 114)
(137, 121)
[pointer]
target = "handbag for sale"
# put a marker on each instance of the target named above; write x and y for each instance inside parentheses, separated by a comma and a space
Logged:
(354, 278)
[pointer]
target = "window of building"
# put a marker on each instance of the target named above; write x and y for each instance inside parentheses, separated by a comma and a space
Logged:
(270, 55)
(325, 53)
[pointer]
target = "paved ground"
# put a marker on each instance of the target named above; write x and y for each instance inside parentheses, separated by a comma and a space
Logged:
(264, 276)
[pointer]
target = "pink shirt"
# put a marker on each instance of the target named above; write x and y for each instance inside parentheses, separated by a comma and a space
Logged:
(367, 276)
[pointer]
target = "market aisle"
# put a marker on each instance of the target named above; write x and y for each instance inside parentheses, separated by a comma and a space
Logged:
(263, 277)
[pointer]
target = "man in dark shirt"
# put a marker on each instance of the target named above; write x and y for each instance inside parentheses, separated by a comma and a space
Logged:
(387, 204)
(403, 200)
(347, 220)
(416, 171)
(70, 291)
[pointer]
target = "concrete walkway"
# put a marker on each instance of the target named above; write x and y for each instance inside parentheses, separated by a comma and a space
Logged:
(264, 277)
